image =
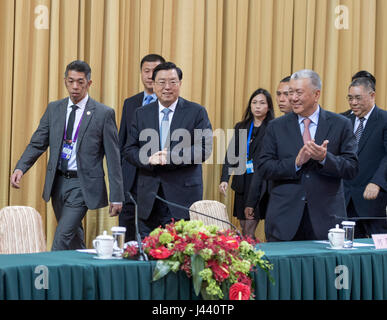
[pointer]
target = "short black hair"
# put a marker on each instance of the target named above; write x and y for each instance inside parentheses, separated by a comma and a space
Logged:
(365, 74)
(367, 83)
(151, 58)
(167, 66)
(79, 66)
(286, 79)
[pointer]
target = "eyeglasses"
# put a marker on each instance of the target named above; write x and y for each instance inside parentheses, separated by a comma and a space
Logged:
(357, 98)
(163, 83)
(296, 93)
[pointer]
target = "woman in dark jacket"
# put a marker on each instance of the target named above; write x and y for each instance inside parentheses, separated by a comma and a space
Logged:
(258, 113)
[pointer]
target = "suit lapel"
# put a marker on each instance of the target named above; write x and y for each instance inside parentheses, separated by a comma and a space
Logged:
(368, 129)
(88, 114)
(59, 122)
(258, 138)
(322, 127)
(295, 132)
(178, 116)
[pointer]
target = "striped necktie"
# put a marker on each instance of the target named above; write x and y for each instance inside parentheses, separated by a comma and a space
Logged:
(147, 100)
(359, 130)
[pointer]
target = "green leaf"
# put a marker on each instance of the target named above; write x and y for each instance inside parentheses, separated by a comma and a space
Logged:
(162, 268)
(197, 265)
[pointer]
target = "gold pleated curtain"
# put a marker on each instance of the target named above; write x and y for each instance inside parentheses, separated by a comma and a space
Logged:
(226, 49)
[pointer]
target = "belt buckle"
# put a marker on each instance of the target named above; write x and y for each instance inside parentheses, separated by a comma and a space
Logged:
(66, 175)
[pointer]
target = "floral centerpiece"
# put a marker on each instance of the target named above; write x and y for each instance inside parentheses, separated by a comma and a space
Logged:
(220, 263)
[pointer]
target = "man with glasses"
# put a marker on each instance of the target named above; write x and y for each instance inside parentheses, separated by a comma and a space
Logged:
(306, 154)
(366, 194)
(129, 172)
(168, 141)
(360, 74)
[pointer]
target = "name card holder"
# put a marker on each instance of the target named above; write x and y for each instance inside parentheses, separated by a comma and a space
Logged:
(380, 241)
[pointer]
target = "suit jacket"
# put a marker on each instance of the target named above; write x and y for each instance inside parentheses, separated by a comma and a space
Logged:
(372, 153)
(320, 187)
(97, 137)
(128, 170)
(258, 186)
(181, 181)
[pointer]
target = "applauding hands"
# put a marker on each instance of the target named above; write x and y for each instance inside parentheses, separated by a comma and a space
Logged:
(311, 150)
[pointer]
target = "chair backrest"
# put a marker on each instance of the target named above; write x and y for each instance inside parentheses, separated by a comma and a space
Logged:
(212, 208)
(21, 230)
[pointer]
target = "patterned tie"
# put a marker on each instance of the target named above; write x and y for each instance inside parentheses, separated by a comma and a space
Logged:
(164, 127)
(306, 135)
(147, 100)
(69, 135)
(359, 130)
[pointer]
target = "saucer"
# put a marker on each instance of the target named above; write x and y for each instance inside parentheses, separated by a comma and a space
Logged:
(341, 248)
(104, 258)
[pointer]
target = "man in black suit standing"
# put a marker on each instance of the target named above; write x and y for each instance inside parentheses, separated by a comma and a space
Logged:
(306, 154)
(366, 194)
(167, 142)
(129, 172)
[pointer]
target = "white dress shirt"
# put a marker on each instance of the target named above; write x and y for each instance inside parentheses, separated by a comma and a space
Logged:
(72, 165)
(357, 121)
(172, 107)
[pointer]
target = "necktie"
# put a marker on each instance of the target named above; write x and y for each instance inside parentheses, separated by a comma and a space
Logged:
(69, 135)
(164, 127)
(306, 135)
(359, 130)
(147, 100)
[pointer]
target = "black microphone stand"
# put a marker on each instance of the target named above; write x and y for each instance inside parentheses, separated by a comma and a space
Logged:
(200, 213)
(142, 255)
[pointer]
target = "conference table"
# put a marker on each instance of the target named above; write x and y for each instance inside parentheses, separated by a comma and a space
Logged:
(302, 270)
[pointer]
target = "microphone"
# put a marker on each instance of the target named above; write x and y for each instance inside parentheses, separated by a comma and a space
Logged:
(199, 213)
(142, 255)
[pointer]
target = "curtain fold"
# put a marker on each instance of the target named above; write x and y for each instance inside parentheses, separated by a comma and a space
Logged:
(226, 49)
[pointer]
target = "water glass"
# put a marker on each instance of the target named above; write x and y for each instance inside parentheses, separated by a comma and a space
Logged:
(118, 234)
(349, 229)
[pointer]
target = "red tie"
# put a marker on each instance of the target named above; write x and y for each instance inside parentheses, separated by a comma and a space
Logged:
(306, 136)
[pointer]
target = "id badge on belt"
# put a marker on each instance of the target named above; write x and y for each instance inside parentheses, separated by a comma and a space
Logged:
(249, 167)
(66, 151)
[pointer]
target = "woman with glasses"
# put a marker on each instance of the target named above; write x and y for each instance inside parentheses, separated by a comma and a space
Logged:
(250, 132)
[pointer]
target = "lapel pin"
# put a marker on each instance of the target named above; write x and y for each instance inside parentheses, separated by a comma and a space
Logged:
(88, 113)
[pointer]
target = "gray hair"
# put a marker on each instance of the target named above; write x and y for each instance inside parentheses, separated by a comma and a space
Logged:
(308, 74)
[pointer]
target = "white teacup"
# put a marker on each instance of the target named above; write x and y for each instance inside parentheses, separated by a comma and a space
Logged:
(336, 237)
(104, 245)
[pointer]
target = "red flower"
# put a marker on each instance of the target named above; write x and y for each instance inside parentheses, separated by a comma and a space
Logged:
(160, 253)
(239, 291)
(242, 278)
(131, 250)
(220, 271)
(202, 236)
(186, 266)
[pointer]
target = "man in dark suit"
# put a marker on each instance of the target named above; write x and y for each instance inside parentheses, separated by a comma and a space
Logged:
(306, 154)
(366, 194)
(360, 74)
(129, 172)
(282, 96)
(167, 142)
(80, 132)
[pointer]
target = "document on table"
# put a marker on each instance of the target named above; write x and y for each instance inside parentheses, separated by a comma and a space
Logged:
(87, 250)
(355, 244)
